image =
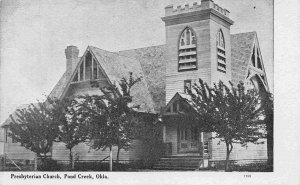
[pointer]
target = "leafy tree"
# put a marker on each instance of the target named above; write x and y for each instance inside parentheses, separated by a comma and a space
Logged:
(35, 129)
(110, 115)
(233, 114)
(268, 106)
(72, 128)
(149, 131)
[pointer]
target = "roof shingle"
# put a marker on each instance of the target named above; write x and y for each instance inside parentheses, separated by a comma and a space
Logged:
(241, 50)
(117, 67)
(152, 60)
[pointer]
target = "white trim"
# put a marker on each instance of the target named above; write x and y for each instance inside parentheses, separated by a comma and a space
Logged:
(187, 46)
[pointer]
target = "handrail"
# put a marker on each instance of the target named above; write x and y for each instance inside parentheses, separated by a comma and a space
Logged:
(104, 158)
(13, 162)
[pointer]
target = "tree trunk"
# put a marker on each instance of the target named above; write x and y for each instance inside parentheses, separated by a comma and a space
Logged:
(110, 159)
(43, 159)
(71, 159)
(270, 142)
(35, 162)
(269, 112)
(118, 153)
(228, 149)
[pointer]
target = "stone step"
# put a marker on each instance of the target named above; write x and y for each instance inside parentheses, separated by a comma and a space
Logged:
(182, 156)
(175, 168)
(178, 163)
(180, 159)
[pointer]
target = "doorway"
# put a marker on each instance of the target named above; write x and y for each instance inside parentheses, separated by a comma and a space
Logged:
(188, 139)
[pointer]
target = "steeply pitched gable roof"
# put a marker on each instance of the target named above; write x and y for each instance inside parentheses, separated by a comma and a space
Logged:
(186, 105)
(152, 60)
(59, 87)
(62, 84)
(117, 67)
(241, 50)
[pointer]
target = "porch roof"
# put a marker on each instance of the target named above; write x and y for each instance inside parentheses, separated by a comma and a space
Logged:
(186, 103)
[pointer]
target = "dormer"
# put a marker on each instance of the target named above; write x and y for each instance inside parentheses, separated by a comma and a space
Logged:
(89, 69)
(81, 71)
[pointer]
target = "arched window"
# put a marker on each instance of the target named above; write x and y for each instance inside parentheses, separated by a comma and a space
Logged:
(221, 54)
(187, 51)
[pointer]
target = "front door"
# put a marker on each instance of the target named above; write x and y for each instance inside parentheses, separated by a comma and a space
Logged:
(188, 139)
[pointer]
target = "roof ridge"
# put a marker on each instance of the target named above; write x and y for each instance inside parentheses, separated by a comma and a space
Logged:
(100, 49)
(115, 53)
(254, 32)
(142, 48)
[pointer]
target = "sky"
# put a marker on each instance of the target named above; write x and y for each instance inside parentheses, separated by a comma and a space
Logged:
(35, 33)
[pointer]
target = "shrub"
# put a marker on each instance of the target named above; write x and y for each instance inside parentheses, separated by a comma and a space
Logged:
(150, 133)
(253, 167)
(50, 165)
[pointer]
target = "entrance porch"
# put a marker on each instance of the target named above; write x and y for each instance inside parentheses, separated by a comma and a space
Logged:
(183, 138)
(186, 146)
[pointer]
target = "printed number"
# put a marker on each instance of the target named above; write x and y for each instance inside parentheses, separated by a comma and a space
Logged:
(247, 176)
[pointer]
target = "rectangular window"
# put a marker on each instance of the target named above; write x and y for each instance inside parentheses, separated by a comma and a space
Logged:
(81, 72)
(175, 107)
(187, 85)
(194, 134)
(95, 71)
(181, 134)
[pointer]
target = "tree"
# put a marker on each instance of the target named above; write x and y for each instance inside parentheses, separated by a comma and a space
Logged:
(110, 115)
(72, 128)
(233, 114)
(35, 129)
(149, 131)
(268, 107)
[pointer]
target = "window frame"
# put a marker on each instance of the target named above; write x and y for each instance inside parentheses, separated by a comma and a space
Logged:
(221, 52)
(191, 49)
(185, 86)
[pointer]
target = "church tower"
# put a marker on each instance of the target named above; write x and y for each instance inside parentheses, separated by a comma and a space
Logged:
(197, 45)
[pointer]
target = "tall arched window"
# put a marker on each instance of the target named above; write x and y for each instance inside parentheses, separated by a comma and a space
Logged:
(221, 54)
(187, 51)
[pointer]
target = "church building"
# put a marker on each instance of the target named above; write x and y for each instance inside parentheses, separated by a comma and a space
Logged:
(199, 44)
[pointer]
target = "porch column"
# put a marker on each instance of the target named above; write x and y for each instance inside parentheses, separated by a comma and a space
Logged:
(201, 144)
(205, 159)
(164, 133)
